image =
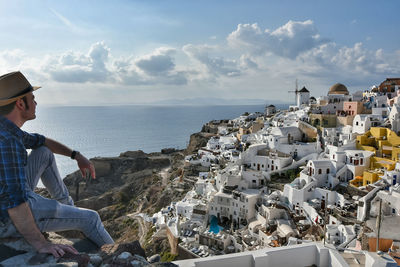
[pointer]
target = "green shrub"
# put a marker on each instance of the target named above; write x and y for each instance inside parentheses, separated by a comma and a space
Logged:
(167, 256)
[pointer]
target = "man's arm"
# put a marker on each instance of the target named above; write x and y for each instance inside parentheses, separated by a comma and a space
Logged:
(22, 218)
(83, 163)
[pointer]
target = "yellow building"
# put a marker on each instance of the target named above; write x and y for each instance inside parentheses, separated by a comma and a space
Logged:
(383, 141)
(369, 177)
(386, 145)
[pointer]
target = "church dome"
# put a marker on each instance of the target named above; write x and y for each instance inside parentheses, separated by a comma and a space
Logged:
(338, 88)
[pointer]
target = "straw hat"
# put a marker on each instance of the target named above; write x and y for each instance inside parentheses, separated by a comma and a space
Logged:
(14, 86)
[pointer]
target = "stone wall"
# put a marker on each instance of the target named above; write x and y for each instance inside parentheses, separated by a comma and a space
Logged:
(308, 130)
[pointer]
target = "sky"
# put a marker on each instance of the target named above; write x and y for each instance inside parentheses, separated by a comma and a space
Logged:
(90, 52)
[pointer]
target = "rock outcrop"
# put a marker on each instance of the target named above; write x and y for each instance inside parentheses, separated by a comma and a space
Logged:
(126, 254)
(197, 140)
(125, 187)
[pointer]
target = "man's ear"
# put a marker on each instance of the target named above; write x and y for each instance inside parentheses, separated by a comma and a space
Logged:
(20, 104)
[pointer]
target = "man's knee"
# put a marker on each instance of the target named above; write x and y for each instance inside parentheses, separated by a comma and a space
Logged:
(42, 151)
(93, 216)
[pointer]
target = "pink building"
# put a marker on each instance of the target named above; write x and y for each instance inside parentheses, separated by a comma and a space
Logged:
(352, 108)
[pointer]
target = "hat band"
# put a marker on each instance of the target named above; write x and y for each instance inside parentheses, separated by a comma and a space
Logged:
(27, 90)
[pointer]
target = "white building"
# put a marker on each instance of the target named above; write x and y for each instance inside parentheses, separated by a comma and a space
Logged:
(380, 106)
(338, 136)
(338, 234)
(394, 118)
(392, 177)
(349, 162)
(288, 140)
(302, 97)
(230, 176)
(238, 207)
(390, 203)
(185, 207)
(306, 254)
(270, 110)
(363, 122)
(258, 157)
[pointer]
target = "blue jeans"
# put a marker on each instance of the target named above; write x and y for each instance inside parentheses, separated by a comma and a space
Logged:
(59, 213)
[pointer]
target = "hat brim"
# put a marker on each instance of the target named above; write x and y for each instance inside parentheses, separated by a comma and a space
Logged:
(10, 100)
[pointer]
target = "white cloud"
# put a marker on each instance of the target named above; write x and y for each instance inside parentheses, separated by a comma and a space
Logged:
(155, 68)
(289, 40)
(11, 60)
(215, 66)
(158, 63)
(357, 60)
(247, 62)
(72, 67)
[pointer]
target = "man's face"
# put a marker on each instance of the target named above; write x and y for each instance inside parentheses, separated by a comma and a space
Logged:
(30, 107)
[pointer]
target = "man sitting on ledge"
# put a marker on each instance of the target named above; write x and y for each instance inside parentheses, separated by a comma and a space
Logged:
(21, 210)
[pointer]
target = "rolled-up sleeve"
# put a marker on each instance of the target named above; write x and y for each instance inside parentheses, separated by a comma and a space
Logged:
(33, 140)
(12, 175)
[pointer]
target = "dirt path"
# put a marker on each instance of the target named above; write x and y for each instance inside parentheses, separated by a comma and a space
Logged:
(143, 229)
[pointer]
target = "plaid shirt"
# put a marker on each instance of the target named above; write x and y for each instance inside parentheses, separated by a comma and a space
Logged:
(13, 159)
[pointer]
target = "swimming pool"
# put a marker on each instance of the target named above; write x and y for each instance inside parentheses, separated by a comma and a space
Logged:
(214, 227)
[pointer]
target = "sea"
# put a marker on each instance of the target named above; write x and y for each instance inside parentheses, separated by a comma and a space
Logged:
(106, 131)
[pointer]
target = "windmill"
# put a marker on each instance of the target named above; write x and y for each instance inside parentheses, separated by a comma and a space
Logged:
(295, 92)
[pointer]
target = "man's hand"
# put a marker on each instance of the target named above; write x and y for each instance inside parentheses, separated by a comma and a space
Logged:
(23, 220)
(58, 250)
(85, 165)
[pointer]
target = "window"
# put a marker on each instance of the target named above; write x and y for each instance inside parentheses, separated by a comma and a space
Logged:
(327, 170)
(319, 171)
(356, 123)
